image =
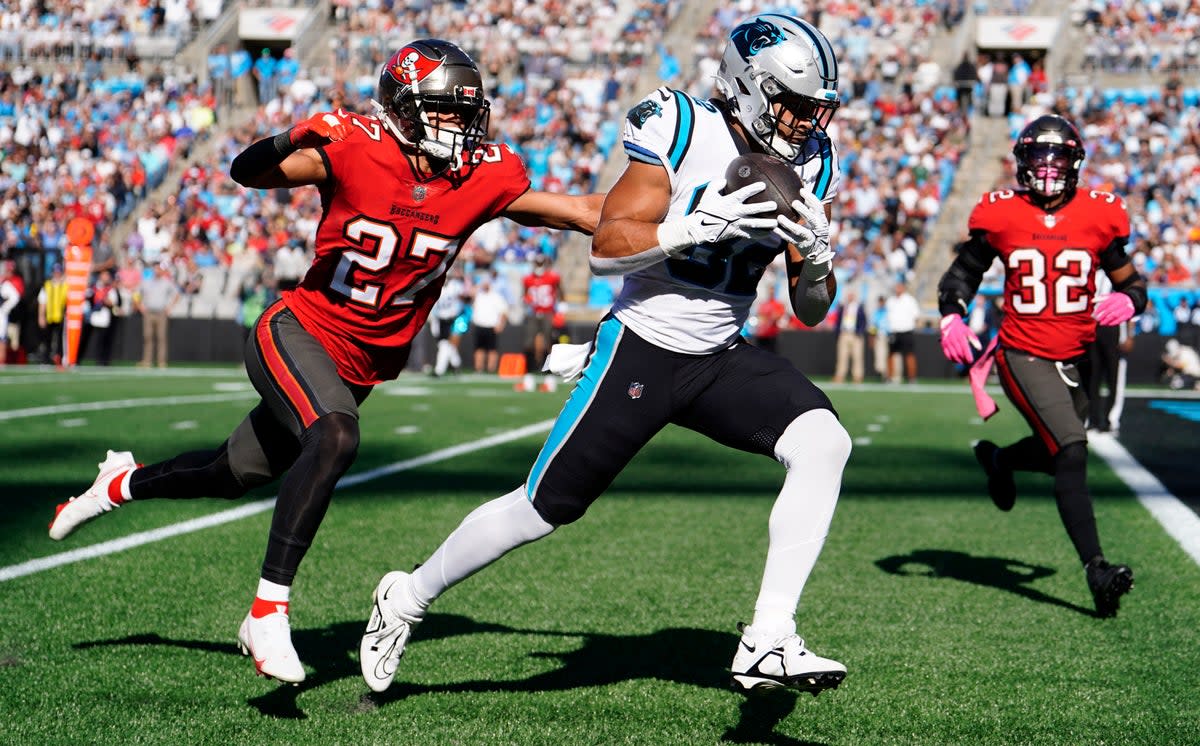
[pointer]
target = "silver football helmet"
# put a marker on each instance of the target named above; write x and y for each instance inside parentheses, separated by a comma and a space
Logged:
(779, 75)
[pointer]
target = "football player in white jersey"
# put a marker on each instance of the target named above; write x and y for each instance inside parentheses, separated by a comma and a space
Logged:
(670, 351)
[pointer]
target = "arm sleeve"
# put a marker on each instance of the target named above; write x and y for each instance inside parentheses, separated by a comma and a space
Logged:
(960, 282)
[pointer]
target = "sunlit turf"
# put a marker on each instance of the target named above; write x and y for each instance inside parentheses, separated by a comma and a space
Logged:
(958, 624)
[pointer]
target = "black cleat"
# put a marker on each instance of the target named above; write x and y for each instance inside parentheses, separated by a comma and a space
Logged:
(1001, 487)
(1108, 583)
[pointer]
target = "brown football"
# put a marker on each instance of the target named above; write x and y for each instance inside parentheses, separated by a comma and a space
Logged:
(783, 183)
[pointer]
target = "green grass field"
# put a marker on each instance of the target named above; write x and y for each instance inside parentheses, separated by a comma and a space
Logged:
(959, 624)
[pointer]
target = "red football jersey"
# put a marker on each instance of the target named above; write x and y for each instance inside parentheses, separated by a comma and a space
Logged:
(1050, 262)
(541, 291)
(384, 244)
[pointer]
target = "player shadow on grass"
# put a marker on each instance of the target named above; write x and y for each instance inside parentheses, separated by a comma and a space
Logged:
(994, 572)
(681, 655)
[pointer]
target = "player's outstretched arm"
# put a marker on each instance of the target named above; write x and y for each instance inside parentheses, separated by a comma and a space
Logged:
(559, 211)
(289, 159)
(632, 234)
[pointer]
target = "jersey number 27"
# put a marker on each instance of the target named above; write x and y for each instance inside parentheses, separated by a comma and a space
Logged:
(379, 242)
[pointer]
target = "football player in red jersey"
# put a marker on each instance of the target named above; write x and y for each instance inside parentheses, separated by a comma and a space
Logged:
(1051, 239)
(401, 191)
(543, 288)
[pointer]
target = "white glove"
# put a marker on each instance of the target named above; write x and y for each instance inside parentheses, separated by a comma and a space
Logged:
(811, 237)
(720, 217)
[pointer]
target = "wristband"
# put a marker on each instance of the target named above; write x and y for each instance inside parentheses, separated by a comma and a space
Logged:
(284, 145)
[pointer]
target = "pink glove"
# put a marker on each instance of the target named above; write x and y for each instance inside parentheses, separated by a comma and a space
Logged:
(957, 340)
(1116, 308)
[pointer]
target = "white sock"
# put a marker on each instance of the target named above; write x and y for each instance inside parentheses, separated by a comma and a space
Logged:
(124, 480)
(814, 448)
(269, 591)
(485, 535)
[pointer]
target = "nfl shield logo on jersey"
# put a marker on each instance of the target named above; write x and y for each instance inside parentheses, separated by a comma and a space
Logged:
(419, 193)
(1049, 220)
(635, 390)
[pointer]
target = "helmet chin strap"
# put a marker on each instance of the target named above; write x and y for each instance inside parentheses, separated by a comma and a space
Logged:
(430, 146)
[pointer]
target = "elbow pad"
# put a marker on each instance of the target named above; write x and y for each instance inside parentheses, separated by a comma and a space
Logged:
(261, 156)
(811, 301)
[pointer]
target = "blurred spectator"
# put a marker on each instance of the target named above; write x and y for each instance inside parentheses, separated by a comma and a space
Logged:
(10, 300)
(101, 321)
(1185, 332)
(543, 289)
(880, 337)
(291, 262)
(1181, 366)
(52, 311)
(851, 338)
(220, 73)
(1107, 359)
(254, 302)
(489, 312)
(903, 312)
(442, 320)
(264, 73)
(966, 76)
(157, 298)
(769, 318)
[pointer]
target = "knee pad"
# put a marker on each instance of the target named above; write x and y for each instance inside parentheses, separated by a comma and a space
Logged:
(1070, 468)
(1071, 457)
(815, 436)
(335, 438)
(558, 510)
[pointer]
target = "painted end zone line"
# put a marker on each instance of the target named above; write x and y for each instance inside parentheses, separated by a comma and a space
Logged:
(259, 506)
(1177, 519)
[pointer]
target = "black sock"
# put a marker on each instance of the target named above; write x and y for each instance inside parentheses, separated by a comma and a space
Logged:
(327, 449)
(1027, 454)
(188, 475)
(1074, 502)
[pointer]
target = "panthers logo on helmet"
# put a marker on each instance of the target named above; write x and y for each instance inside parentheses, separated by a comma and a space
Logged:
(755, 36)
(410, 66)
(639, 114)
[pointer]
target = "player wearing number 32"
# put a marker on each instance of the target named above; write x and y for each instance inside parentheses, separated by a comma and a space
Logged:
(1051, 239)
(671, 352)
(401, 191)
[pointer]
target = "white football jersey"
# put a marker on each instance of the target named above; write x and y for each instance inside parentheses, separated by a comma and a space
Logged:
(698, 300)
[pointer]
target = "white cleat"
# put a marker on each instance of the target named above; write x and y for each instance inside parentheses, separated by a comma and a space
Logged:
(387, 632)
(763, 663)
(96, 500)
(268, 640)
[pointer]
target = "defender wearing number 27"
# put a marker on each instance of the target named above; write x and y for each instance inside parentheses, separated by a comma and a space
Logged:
(1051, 238)
(401, 191)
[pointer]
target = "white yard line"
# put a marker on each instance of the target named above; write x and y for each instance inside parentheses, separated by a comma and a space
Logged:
(242, 511)
(1177, 519)
(96, 406)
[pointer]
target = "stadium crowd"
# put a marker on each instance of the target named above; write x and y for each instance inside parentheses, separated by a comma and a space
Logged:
(81, 139)
(1125, 36)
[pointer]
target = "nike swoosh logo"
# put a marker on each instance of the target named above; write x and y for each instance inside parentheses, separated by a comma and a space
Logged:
(710, 223)
(748, 646)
